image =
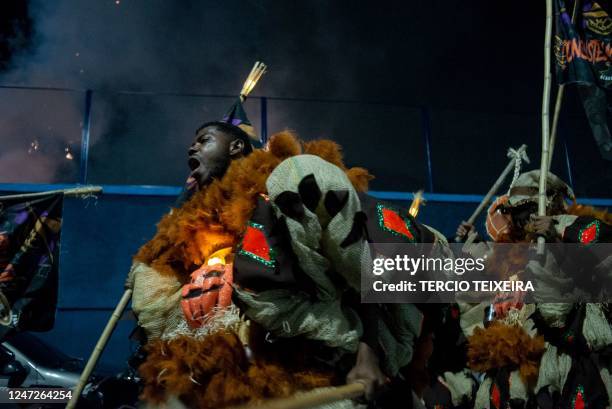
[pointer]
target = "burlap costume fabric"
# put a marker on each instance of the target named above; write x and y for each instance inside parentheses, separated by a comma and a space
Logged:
(286, 313)
(525, 188)
(554, 368)
(482, 400)
(318, 229)
(156, 301)
(317, 238)
(460, 385)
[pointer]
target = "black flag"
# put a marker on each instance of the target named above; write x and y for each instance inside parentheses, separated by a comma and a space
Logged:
(30, 231)
(583, 52)
(583, 49)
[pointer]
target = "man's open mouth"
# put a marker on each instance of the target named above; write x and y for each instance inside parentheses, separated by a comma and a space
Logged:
(193, 163)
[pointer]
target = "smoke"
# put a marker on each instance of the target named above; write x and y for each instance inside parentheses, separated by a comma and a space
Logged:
(403, 53)
(158, 47)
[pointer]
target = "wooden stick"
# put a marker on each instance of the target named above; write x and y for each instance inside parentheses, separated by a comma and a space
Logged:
(417, 201)
(545, 119)
(553, 131)
(77, 191)
(487, 199)
(309, 400)
(558, 103)
(257, 71)
(95, 355)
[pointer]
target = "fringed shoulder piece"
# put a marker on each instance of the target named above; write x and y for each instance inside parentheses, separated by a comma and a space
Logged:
(332, 152)
(582, 210)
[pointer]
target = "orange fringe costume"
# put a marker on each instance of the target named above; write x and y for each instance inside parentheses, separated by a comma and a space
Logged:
(213, 371)
(502, 345)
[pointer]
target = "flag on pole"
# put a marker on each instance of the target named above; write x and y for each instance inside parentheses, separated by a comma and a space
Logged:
(583, 54)
(30, 230)
(583, 50)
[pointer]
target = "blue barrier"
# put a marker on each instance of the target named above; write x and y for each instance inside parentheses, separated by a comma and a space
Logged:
(153, 190)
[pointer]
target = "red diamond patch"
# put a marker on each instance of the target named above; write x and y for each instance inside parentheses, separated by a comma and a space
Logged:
(396, 223)
(255, 245)
(589, 233)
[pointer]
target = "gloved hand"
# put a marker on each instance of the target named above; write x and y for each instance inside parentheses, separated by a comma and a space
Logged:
(210, 287)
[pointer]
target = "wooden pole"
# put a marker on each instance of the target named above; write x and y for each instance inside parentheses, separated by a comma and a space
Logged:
(553, 131)
(309, 400)
(559, 102)
(487, 199)
(545, 121)
(95, 355)
(77, 191)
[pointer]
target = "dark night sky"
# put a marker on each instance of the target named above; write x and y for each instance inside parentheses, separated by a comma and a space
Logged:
(477, 65)
(437, 52)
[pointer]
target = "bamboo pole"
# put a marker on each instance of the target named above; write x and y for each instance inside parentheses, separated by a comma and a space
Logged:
(309, 400)
(95, 355)
(553, 131)
(559, 102)
(77, 191)
(545, 119)
(487, 199)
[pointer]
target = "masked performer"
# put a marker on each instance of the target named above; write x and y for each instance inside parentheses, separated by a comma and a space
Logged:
(518, 347)
(250, 289)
